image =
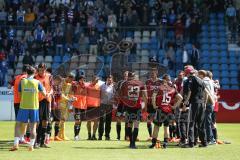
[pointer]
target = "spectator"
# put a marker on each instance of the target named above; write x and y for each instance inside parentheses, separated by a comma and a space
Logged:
(101, 25)
(28, 59)
(112, 20)
(195, 57)
(3, 73)
(39, 34)
(185, 58)
(3, 16)
(2, 55)
(11, 17)
(59, 40)
(83, 44)
(231, 15)
(179, 30)
(77, 32)
(53, 17)
(20, 15)
(93, 43)
(101, 41)
(194, 29)
(170, 54)
(91, 21)
(11, 59)
(29, 17)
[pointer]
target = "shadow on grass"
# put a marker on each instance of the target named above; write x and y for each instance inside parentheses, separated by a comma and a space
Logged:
(7, 144)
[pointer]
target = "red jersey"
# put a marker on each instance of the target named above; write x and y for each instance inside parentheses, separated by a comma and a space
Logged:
(165, 98)
(150, 87)
(131, 93)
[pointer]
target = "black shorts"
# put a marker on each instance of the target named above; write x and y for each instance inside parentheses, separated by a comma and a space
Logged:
(16, 109)
(92, 113)
(120, 111)
(151, 112)
(162, 118)
(133, 114)
(44, 111)
(79, 114)
(56, 115)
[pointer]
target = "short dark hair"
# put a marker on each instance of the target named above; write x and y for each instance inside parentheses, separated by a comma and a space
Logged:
(25, 66)
(30, 70)
(42, 65)
(202, 72)
(57, 77)
(165, 76)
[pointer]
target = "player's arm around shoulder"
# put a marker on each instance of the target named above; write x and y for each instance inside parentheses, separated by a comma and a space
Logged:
(41, 89)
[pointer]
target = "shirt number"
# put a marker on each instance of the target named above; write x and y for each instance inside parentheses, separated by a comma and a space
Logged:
(133, 92)
(166, 98)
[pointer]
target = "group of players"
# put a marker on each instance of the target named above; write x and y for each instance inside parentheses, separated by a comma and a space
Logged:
(41, 99)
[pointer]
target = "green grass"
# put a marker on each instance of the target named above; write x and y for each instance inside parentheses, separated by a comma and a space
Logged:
(118, 150)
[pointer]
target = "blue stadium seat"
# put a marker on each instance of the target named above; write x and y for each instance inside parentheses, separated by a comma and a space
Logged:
(204, 34)
(205, 54)
(223, 54)
(66, 58)
(145, 46)
(212, 22)
(232, 54)
(225, 74)
(234, 81)
(213, 40)
(222, 40)
(213, 54)
(214, 60)
(214, 47)
(188, 46)
(220, 21)
(221, 28)
(213, 28)
(204, 60)
(213, 34)
(232, 60)
(154, 46)
(233, 74)
(212, 15)
(206, 66)
(161, 52)
(224, 67)
(205, 47)
(153, 53)
(215, 67)
(131, 58)
(57, 59)
(204, 40)
(220, 15)
(223, 47)
(223, 60)
(130, 34)
(216, 74)
(55, 66)
(225, 87)
(234, 87)
(204, 27)
(222, 34)
(153, 40)
(225, 81)
(233, 67)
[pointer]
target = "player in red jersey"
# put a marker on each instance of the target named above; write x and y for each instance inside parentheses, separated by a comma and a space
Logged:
(132, 94)
(151, 84)
(164, 100)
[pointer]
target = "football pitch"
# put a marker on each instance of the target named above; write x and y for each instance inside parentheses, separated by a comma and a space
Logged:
(118, 150)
